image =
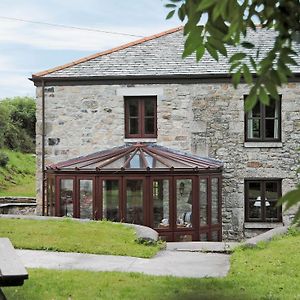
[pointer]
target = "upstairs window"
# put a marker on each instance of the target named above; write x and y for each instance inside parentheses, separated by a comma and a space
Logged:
(140, 117)
(263, 123)
(260, 200)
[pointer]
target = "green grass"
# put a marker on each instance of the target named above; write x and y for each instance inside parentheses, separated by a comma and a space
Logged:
(18, 177)
(101, 237)
(272, 271)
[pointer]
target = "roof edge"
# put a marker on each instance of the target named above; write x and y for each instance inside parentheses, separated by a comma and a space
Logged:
(109, 51)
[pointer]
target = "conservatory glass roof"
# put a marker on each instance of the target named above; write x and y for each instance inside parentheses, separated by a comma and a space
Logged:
(137, 157)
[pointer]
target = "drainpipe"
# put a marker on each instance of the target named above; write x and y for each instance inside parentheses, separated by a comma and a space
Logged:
(43, 147)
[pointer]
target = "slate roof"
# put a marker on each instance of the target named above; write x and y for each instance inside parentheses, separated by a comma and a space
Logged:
(138, 157)
(157, 55)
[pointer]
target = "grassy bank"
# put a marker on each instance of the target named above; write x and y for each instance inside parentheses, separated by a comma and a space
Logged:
(18, 177)
(268, 272)
(67, 235)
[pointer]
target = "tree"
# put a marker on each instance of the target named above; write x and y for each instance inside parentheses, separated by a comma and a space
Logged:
(213, 25)
(17, 124)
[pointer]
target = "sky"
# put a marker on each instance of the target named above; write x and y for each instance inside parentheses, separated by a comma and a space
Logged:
(27, 48)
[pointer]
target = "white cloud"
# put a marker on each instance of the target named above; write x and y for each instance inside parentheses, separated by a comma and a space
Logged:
(54, 38)
(15, 85)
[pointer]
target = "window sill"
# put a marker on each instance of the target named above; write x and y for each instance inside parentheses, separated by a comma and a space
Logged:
(263, 144)
(262, 225)
(140, 140)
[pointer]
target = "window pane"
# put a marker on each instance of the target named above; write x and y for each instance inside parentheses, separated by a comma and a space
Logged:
(66, 197)
(271, 109)
(270, 128)
(133, 108)
(149, 126)
(271, 210)
(203, 202)
(256, 110)
(133, 126)
(215, 200)
(150, 160)
(215, 236)
(134, 194)
(110, 195)
(149, 108)
(161, 203)
(135, 162)
(256, 131)
(184, 199)
(203, 237)
(52, 197)
(86, 199)
(254, 190)
(185, 238)
(255, 209)
(272, 190)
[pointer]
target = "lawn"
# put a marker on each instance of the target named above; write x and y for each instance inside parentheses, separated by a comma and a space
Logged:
(99, 237)
(272, 271)
(18, 177)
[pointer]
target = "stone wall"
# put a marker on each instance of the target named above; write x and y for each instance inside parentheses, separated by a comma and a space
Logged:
(18, 205)
(206, 119)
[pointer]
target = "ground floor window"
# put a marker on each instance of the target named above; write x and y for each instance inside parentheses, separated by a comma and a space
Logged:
(261, 197)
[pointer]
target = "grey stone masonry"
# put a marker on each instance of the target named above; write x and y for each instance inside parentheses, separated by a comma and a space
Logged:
(205, 119)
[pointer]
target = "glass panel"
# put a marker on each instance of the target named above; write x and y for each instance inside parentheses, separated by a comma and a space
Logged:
(203, 202)
(254, 198)
(149, 108)
(271, 210)
(66, 197)
(86, 199)
(270, 128)
(150, 160)
(215, 200)
(161, 203)
(254, 191)
(110, 201)
(134, 194)
(184, 202)
(255, 209)
(203, 237)
(185, 238)
(52, 202)
(256, 128)
(135, 162)
(214, 236)
(149, 126)
(270, 109)
(272, 190)
(256, 110)
(133, 108)
(133, 126)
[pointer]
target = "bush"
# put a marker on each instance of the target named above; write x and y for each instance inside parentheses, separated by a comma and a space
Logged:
(3, 159)
(17, 124)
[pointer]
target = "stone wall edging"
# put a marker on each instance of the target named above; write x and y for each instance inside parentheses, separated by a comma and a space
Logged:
(142, 232)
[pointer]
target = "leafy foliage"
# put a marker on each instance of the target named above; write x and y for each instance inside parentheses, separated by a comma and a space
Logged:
(211, 25)
(17, 124)
(3, 159)
(290, 199)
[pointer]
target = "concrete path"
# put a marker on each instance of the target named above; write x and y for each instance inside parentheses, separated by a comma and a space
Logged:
(174, 263)
(214, 247)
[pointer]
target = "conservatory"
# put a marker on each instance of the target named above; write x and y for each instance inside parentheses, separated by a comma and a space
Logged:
(175, 193)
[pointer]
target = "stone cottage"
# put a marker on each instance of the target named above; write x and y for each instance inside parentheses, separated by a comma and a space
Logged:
(136, 134)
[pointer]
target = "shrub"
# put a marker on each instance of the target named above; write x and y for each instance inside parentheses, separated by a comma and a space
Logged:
(3, 159)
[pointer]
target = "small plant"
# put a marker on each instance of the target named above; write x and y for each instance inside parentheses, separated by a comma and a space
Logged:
(3, 159)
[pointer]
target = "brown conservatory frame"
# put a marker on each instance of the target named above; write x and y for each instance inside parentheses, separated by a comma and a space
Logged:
(168, 169)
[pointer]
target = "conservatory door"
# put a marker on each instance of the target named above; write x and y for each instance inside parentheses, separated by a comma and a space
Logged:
(134, 200)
